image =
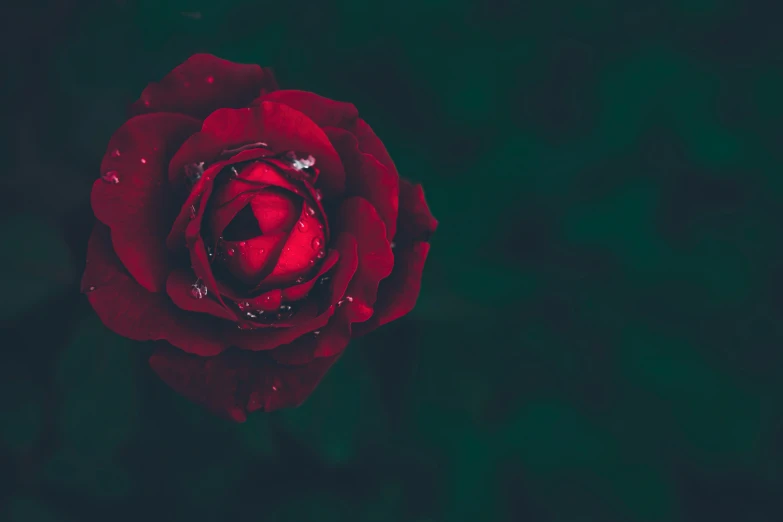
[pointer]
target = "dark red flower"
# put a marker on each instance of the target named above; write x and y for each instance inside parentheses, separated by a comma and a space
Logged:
(254, 230)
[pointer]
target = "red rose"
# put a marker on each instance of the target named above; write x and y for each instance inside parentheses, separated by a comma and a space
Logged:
(255, 230)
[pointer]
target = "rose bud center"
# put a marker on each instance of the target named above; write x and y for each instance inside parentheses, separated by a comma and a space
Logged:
(266, 227)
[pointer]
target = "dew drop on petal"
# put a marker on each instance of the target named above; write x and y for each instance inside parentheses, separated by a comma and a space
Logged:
(115, 153)
(198, 290)
(90, 288)
(242, 243)
(392, 244)
(192, 212)
(316, 243)
(321, 254)
(111, 177)
(316, 333)
(302, 226)
(300, 279)
(143, 161)
(261, 251)
(318, 195)
(311, 262)
(230, 251)
(310, 211)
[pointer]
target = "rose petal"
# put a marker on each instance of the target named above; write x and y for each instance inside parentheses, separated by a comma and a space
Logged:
(202, 148)
(238, 382)
(251, 260)
(203, 84)
(300, 291)
(398, 293)
(138, 208)
(304, 247)
(282, 128)
(330, 341)
(127, 309)
(371, 144)
(323, 111)
(360, 219)
(415, 222)
(179, 286)
(366, 177)
(271, 338)
(275, 210)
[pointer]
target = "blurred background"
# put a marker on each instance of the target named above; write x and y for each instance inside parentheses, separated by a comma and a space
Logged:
(598, 336)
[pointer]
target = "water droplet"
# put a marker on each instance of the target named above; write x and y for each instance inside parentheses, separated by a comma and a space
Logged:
(300, 279)
(316, 243)
(311, 262)
(194, 171)
(392, 244)
(111, 177)
(318, 195)
(274, 388)
(234, 173)
(210, 79)
(321, 254)
(192, 212)
(303, 163)
(285, 308)
(198, 290)
(115, 153)
(261, 251)
(242, 243)
(316, 333)
(349, 298)
(267, 298)
(143, 161)
(302, 225)
(244, 304)
(90, 288)
(310, 211)
(251, 315)
(323, 280)
(230, 251)
(210, 253)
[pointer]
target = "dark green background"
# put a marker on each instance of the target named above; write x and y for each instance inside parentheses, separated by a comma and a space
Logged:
(598, 337)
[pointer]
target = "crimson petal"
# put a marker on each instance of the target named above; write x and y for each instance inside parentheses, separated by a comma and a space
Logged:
(279, 126)
(366, 177)
(376, 260)
(238, 382)
(371, 144)
(398, 293)
(203, 84)
(323, 111)
(179, 286)
(329, 342)
(129, 310)
(138, 207)
(415, 222)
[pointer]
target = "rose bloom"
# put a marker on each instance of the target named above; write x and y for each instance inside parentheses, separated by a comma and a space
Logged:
(251, 231)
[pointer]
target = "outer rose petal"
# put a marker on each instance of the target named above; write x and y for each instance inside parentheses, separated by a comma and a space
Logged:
(138, 209)
(366, 177)
(415, 222)
(179, 287)
(279, 126)
(398, 293)
(329, 342)
(371, 144)
(238, 382)
(360, 219)
(323, 111)
(203, 84)
(127, 309)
